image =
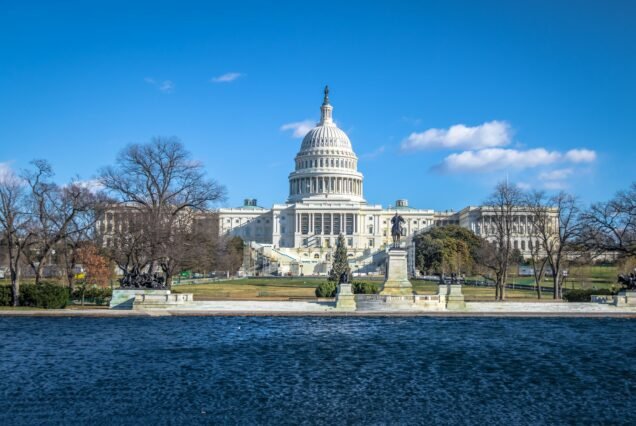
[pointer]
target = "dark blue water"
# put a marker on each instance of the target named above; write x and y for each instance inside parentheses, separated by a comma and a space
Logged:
(317, 371)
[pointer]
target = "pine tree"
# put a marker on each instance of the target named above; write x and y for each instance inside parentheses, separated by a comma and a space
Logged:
(340, 263)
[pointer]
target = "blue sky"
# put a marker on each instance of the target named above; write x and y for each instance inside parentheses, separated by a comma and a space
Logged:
(449, 97)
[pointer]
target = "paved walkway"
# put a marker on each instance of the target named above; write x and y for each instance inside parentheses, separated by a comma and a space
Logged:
(300, 308)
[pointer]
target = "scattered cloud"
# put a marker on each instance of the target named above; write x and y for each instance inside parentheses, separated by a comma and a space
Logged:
(555, 185)
(300, 128)
(524, 186)
(373, 154)
(580, 156)
(488, 135)
(165, 86)
(493, 159)
(93, 185)
(6, 172)
(413, 121)
(227, 77)
(558, 174)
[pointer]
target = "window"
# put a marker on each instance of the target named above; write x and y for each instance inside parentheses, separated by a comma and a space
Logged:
(327, 224)
(282, 218)
(282, 229)
(350, 242)
(317, 223)
(304, 223)
(349, 224)
(371, 229)
(371, 243)
(316, 256)
(305, 243)
(336, 224)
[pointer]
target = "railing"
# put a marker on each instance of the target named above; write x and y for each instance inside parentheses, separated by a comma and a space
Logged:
(485, 283)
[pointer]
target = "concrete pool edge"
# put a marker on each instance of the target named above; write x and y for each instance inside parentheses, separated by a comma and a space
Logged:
(103, 313)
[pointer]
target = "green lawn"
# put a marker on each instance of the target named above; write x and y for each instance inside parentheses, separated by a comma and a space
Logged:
(585, 277)
(286, 288)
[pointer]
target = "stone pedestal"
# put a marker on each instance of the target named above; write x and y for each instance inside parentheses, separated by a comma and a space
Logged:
(455, 298)
(626, 298)
(397, 280)
(345, 299)
(147, 298)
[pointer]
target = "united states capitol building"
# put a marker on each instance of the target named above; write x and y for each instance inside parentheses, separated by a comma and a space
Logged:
(326, 199)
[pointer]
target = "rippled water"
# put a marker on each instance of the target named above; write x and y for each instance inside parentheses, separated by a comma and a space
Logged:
(317, 370)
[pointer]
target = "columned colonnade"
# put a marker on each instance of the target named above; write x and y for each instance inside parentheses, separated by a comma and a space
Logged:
(325, 184)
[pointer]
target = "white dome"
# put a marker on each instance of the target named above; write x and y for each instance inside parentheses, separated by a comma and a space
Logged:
(326, 166)
(326, 136)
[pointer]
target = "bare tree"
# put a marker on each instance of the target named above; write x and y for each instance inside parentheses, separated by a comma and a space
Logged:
(163, 185)
(14, 224)
(539, 264)
(54, 209)
(555, 222)
(611, 226)
(81, 231)
(502, 204)
(540, 217)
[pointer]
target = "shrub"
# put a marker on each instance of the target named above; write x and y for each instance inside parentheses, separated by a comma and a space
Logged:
(365, 288)
(5, 295)
(326, 289)
(92, 294)
(44, 295)
(580, 295)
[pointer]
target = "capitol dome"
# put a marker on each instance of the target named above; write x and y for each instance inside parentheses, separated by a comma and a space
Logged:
(326, 166)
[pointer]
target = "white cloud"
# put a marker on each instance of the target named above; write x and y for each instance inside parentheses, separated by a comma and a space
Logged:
(6, 172)
(300, 128)
(93, 185)
(524, 186)
(558, 174)
(226, 78)
(165, 86)
(488, 135)
(373, 154)
(580, 156)
(492, 159)
(555, 185)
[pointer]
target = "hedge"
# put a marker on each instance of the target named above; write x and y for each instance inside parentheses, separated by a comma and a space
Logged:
(329, 288)
(326, 289)
(365, 288)
(97, 295)
(584, 295)
(6, 295)
(43, 295)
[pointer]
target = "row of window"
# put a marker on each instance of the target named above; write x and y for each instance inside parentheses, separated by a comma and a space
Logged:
(325, 162)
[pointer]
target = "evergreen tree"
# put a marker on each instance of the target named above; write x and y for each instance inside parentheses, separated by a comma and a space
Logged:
(340, 263)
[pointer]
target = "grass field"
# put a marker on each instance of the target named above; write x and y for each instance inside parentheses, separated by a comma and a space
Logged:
(286, 288)
(585, 277)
